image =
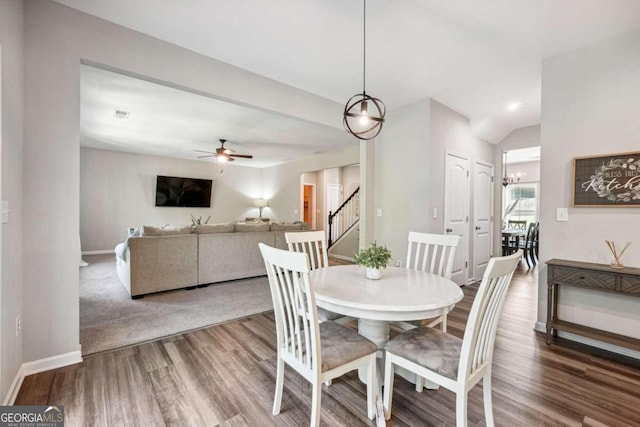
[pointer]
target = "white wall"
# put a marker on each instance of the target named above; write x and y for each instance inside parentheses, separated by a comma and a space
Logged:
(57, 40)
(450, 131)
(11, 298)
(350, 179)
(519, 138)
(591, 101)
(117, 191)
(281, 184)
(402, 178)
(527, 171)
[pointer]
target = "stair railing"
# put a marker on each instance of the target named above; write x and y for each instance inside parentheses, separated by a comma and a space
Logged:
(345, 217)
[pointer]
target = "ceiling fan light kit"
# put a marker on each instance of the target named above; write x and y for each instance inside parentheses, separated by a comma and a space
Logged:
(224, 155)
(363, 115)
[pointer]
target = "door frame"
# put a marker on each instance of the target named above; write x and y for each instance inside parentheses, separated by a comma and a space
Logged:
(465, 248)
(312, 226)
(475, 205)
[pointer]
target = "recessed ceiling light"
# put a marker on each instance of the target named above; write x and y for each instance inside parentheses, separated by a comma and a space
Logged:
(121, 114)
(514, 106)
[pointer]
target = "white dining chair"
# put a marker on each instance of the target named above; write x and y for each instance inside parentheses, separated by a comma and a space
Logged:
(319, 352)
(314, 244)
(456, 364)
(433, 253)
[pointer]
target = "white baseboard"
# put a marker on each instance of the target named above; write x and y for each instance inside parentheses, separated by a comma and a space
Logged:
(342, 257)
(12, 393)
(102, 252)
(52, 362)
(542, 327)
(37, 366)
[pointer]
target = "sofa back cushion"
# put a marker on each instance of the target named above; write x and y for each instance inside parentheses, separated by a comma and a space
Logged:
(251, 226)
(167, 230)
(215, 228)
(283, 226)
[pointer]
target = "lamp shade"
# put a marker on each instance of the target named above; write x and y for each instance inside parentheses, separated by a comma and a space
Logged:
(261, 203)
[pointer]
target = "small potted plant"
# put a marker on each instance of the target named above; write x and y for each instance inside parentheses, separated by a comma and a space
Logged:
(374, 258)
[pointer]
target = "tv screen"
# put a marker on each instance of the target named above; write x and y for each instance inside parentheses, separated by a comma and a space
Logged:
(183, 192)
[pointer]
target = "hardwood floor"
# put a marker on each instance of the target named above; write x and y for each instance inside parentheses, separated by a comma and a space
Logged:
(224, 375)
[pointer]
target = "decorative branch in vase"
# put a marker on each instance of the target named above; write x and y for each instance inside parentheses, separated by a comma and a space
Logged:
(612, 247)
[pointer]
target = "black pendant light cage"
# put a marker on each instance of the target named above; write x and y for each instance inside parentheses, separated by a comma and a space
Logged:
(363, 115)
(359, 110)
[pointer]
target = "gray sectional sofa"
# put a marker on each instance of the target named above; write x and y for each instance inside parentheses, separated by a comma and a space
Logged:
(163, 259)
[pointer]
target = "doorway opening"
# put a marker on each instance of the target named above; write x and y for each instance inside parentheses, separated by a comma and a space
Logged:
(309, 205)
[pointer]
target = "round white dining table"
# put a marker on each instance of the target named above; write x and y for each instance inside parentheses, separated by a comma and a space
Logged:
(400, 295)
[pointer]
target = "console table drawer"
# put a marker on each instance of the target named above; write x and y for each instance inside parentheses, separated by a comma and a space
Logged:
(584, 278)
(630, 284)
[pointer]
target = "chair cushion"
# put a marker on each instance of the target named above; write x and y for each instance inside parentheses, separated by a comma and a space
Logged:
(430, 348)
(341, 345)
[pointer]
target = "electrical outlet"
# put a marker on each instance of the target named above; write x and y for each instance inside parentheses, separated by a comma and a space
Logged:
(18, 326)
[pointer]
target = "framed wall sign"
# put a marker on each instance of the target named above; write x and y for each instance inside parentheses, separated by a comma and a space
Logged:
(611, 180)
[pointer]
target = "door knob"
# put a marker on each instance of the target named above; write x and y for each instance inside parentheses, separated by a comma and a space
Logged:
(449, 230)
(477, 227)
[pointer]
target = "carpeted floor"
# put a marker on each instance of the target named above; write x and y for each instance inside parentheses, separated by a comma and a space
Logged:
(110, 319)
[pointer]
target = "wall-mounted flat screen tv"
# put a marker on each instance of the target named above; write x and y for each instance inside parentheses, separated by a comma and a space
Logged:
(183, 192)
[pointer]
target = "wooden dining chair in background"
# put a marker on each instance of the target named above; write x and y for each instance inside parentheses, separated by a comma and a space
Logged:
(456, 364)
(513, 223)
(317, 351)
(314, 244)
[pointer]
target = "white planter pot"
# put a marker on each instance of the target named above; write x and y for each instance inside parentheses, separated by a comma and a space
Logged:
(373, 273)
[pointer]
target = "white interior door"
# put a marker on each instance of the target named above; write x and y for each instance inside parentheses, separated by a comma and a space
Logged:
(456, 211)
(482, 217)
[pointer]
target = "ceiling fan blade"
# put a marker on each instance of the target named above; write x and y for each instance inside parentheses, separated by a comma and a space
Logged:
(244, 156)
(208, 152)
(202, 157)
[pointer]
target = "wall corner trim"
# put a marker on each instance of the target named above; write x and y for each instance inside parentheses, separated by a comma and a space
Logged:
(37, 366)
(12, 393)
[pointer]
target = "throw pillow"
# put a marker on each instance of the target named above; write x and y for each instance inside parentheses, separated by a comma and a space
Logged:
(167, 230)
(215, 228)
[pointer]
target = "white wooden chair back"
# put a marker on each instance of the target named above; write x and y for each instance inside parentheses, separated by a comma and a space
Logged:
(482, 324)
(433, 253)
(313, 243)
(294, 306)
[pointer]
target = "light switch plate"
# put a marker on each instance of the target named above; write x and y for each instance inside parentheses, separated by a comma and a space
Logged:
(562, 214)
(379, 212)
(435, 213)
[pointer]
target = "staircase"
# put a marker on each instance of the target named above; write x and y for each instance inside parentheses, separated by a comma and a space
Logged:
(344, 218)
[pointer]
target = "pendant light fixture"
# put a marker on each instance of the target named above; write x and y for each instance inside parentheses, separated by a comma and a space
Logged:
(506, 180)
(364, 114)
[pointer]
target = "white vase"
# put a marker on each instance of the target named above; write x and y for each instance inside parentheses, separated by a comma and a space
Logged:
(373, 273)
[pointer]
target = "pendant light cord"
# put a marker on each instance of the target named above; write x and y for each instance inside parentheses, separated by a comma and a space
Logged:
(364, 48)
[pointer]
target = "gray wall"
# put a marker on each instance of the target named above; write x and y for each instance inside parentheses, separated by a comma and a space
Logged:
(11, 285)
(591, 100)
(57, 40)
(117, 191)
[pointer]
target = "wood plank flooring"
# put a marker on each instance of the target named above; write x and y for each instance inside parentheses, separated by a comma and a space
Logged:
(224, 375)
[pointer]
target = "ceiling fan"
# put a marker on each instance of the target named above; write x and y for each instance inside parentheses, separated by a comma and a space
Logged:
(224, 155)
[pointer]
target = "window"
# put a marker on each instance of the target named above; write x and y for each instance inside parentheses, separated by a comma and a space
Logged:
(525, 199)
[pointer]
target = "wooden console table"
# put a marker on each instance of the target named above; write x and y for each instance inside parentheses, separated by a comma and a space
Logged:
(599, 277)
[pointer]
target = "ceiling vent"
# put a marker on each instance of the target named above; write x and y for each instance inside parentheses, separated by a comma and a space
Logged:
(121, 114)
